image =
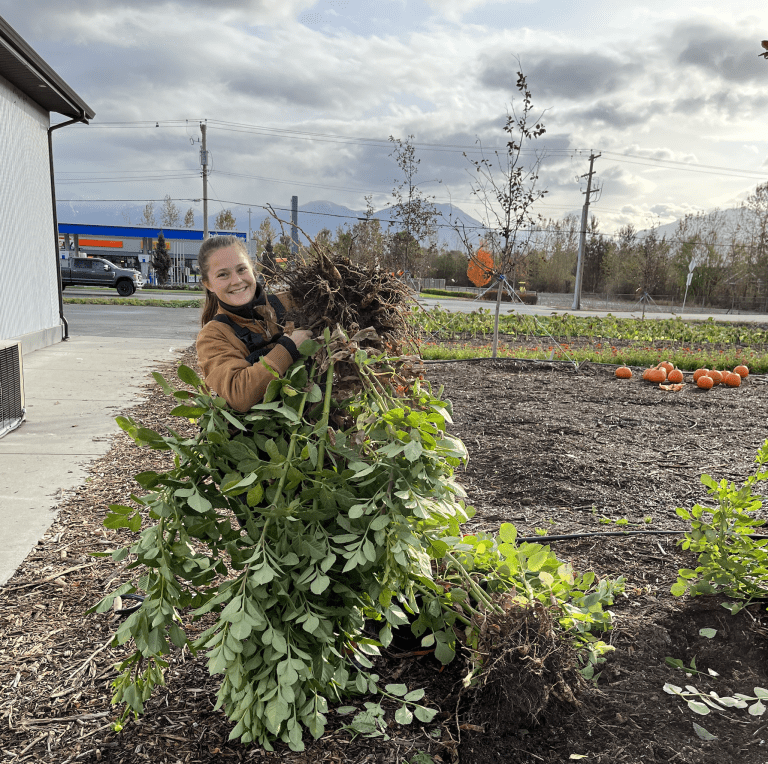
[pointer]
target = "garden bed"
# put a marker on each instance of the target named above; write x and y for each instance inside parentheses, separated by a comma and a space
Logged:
(553, 449)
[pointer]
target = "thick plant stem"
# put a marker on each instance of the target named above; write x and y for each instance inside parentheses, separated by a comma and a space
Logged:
(326, 415)
(479, 594)
(291, 447)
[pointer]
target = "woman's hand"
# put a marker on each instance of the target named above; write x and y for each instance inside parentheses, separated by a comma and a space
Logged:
(299, 336)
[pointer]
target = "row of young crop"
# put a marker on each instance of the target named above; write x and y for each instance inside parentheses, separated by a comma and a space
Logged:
(443, 324)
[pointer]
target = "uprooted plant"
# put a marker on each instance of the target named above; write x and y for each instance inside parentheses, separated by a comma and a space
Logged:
(298, 526)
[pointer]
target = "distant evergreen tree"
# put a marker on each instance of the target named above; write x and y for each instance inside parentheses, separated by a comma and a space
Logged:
(161, 259)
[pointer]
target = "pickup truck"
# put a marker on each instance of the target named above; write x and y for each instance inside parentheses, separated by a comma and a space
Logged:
(94, 271)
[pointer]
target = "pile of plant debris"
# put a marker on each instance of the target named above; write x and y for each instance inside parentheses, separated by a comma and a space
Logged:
(329, 290)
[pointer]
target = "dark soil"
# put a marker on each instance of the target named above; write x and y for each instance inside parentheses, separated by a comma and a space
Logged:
(551, 448)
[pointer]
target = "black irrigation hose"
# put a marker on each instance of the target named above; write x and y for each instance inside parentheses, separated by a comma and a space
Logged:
(597, 534)
(505, 359)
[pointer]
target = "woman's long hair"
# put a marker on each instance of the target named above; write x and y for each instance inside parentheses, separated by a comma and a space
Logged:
(209, 246)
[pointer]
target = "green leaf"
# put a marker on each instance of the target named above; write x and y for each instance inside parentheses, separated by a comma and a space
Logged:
(424, 714)
(199, 503)
(164, 386)
(679, 588)
(396, 689)
(708, 633)
(178, 637)
(379, 523)
(756, 709)
(702, 733)
(537, 561)
(320, 584)
(403, 715)
(190, 412)
(698, 707)
(413, 450)
(508, 533)
(188, 376)
(148, 479)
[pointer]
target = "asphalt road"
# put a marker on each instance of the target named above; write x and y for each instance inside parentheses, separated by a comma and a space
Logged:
(180, 325)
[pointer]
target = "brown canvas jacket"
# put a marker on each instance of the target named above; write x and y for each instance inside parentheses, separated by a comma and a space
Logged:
(222, 357)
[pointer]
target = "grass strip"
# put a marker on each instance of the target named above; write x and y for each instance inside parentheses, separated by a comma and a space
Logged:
(151, 303)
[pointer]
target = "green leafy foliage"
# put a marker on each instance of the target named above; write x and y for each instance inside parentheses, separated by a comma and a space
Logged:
(343, 518)
(730, 561)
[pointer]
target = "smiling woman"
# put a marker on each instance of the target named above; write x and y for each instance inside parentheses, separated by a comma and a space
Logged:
(243, 335)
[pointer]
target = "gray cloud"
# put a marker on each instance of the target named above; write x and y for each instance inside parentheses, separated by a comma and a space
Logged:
(566, 75)
(732, 56)
(612, 115)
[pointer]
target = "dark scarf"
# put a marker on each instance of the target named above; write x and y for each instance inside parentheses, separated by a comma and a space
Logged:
(249, 309)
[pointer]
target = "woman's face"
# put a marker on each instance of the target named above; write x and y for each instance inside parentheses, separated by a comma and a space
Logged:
(230, 276)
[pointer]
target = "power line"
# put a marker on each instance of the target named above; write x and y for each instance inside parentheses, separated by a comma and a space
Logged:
(295, 134)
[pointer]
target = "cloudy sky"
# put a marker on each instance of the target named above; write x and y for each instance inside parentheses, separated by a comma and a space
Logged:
(300, 97)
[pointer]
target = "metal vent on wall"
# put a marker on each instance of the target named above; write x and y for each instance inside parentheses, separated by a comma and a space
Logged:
(11, 388)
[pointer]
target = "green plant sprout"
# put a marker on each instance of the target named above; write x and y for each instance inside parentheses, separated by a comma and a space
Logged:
(730, 561)
(688, 670)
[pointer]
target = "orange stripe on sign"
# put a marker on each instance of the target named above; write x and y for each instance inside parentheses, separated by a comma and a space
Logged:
(100, 243)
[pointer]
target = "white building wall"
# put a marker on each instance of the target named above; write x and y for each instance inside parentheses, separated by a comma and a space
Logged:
(29, 301)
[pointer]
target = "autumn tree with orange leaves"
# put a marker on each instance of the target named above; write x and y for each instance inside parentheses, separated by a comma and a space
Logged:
(480, 268)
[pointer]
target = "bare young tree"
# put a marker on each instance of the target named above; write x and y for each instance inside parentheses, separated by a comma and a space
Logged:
(504, 183)
(170, 214)
(413, 214)
(225, 221)
(148, 216)
(189, 219)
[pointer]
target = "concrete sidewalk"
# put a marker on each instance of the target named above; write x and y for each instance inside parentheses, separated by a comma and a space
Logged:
(73, 392)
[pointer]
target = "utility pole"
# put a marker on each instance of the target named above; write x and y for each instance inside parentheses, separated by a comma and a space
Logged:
(294, 224)
(204, 163)
(583, 235)
(249, 224)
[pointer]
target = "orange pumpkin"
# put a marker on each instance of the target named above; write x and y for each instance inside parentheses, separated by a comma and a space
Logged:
(667, 366)
(742, 371)
(732, 379)
(624, 372)
(675, 376)
(655, 375)
(699, 373)
(717, 376)
(705, 382)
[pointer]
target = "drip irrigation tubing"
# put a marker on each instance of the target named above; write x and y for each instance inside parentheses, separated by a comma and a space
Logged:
(505, 359)
(598, 534)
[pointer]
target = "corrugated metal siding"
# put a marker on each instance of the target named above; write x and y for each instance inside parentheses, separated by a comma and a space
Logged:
(28, 288)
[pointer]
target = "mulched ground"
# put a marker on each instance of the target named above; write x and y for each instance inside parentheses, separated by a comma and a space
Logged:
(552, 448)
